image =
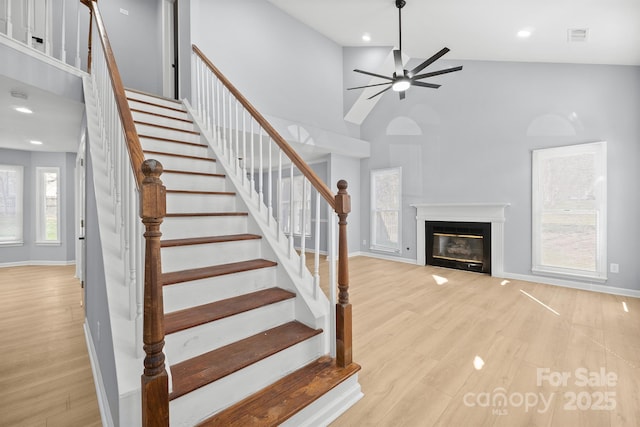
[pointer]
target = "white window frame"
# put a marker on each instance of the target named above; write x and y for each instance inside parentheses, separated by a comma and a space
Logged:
(285, 188)
(41, 206)
(18, 239)
(374, 244)
(599, 150)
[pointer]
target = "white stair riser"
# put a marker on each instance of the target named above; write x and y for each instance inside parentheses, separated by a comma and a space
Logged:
(194, 341)
(183, 164)
(197, 292)
(185, 202)
(177, 258)
(201, 403)
(179, 135)
(186, 227)
(171, 112)
(184, 181)
(153, 99)
(161, 120)
(150, 144)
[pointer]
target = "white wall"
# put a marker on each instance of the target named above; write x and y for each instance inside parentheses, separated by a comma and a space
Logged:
(283, 67)
(477, 133)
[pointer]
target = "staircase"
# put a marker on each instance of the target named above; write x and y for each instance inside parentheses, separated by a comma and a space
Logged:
(240, 348)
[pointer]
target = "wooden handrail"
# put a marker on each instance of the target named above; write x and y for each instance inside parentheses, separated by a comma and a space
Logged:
(154, 380)
(136, 155)
(319, 185)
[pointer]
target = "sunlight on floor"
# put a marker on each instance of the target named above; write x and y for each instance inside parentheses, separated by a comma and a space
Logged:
(541, 303)
(624, 307)
(504, 282)
(439, 279)
(478, 363)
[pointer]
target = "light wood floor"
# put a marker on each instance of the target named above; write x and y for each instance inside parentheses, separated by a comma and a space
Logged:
(416, 340)
(45, 375)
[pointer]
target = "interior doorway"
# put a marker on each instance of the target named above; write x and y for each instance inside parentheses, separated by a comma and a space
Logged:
(170, 49)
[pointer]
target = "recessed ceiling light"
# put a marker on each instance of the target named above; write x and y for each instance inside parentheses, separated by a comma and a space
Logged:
(34, 142)
(366, 37)
(23, 110)
(523, 34)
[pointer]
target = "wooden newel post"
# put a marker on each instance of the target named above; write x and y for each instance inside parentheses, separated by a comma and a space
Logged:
(344, 355)
(155, 384)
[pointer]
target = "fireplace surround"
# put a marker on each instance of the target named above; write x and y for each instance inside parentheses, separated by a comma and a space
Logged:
(491, 213)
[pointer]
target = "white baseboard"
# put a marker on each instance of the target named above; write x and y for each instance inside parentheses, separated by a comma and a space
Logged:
(27, 263)
(101, 392)
(382, 256)
(574, 284)
(530, 278)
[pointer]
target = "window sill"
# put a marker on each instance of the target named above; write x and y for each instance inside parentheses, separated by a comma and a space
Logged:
(10, 244)
(58, 243)
(593, 278)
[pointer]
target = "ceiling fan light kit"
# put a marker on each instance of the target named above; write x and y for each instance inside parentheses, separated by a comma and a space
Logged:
(402, 79)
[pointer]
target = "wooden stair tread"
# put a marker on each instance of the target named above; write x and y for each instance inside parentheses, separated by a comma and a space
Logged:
(152, 95)
(164, 116)
(211, 366)
(215, 193)
(187, 214)
(164, 153)
(215, 270)
(195, 316)
(208, 239)
(172, 140)
(141, 123)
(281, 400)
(216, 175)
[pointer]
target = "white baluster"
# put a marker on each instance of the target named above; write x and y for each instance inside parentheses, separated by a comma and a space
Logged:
(29, 25)
(279, 193)
(269, 185)
(303, 227)
(291, 203)
(236, 154)
(253, 161)
(218, 113)
(48, 20)
(9, 20)
(244, 147)
(332, 279)
(224, 120)
(316, 261)
(230, 127)
(261, 172)
(63, 50)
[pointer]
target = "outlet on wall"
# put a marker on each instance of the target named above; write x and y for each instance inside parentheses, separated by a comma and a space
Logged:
(614, 268)
(124, 11)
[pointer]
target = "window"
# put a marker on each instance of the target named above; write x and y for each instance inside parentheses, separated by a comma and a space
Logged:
(285, 213)
(48, 205)
(11, 189)
(386, 196)
(569, 210)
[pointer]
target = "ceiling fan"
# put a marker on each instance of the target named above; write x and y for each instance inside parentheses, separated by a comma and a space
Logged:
(402, 79)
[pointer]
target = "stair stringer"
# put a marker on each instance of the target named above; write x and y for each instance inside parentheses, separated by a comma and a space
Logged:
(313, 307)
(128, 363)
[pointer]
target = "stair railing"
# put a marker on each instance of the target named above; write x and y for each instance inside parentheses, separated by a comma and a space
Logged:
(283, 184)
(136, 188)
(32, 24)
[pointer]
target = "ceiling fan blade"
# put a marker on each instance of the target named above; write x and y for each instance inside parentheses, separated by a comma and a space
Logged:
(422, 84)
(373, 74)
(402, 94)
(362, 87)
(428, 62)
(437, 73)
(382, 91)
(397, 59)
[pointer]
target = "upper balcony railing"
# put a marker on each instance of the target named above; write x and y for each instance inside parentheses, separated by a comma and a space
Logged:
(58, 29)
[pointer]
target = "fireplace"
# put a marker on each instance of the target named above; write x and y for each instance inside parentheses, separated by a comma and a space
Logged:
(461, 245)
(489, 213)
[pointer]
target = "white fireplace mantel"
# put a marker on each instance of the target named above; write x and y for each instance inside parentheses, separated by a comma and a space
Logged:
(464, 212)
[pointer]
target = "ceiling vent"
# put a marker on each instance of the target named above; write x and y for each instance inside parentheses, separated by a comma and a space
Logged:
(575, 35)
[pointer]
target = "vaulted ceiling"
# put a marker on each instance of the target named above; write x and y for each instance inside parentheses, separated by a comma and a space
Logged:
(483, 30)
